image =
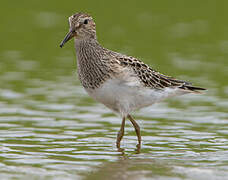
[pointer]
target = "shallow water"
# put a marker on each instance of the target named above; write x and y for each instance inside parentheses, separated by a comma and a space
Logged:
(51, 129)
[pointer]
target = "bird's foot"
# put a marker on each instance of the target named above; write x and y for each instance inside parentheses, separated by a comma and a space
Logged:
(118, 147)
(138, 148)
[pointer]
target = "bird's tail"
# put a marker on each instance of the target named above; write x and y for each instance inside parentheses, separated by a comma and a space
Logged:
(192, 89)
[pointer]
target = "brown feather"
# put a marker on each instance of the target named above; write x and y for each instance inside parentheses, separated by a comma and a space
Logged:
(154, 79)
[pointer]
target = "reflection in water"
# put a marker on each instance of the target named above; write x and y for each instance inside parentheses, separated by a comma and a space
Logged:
(131, 168)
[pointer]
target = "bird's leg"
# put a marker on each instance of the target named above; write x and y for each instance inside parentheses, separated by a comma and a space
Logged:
(137, 130)
(120, 133)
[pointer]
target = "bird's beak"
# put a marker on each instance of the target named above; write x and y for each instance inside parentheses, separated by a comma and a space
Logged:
(69, 35)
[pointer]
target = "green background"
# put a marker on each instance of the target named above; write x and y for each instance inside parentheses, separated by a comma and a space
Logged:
(51, 129)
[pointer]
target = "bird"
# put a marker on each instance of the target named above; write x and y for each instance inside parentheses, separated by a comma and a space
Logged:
(122, 83)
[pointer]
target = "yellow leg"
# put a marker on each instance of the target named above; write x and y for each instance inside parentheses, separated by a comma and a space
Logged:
(137, 130)
(120, 133)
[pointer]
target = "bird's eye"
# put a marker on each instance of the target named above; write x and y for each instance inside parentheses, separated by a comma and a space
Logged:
(86, 21)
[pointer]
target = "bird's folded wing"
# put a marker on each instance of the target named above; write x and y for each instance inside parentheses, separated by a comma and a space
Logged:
(149, 77)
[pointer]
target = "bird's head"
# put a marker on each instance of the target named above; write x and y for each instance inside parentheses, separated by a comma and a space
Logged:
(82, 26)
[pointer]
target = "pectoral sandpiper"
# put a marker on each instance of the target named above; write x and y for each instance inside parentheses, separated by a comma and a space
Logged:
(122, 83)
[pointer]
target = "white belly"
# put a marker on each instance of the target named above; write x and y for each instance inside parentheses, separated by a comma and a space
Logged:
(125, 97)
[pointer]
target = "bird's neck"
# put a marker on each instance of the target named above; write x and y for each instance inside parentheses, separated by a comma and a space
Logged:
(88, 49)
(89, 62)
